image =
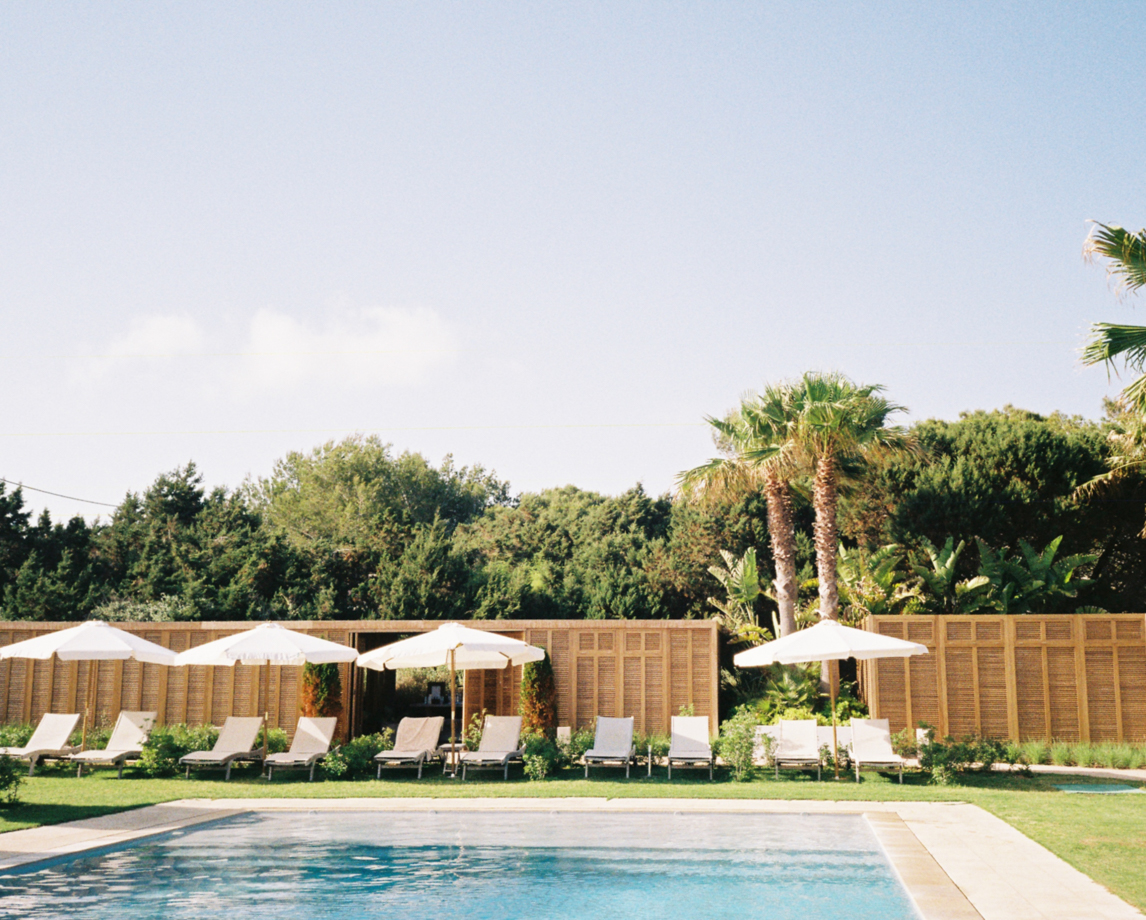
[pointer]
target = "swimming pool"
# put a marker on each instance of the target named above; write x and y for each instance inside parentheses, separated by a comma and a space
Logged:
(478, 865)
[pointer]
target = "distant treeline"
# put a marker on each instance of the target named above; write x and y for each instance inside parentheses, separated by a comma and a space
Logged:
(353, 531)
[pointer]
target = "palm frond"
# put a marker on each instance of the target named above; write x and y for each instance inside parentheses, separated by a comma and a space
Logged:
(1111, 340)
(1125, 250)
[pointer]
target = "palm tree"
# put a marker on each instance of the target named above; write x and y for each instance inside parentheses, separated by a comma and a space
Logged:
(756, 442)
(836, 422)
(1126, 252)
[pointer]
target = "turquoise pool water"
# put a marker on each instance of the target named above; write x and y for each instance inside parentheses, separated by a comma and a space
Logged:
(480, 865)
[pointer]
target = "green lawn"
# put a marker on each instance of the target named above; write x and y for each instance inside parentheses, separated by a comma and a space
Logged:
(1104, 836)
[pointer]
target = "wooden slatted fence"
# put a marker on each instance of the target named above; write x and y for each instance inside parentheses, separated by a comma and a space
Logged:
(1068, 677)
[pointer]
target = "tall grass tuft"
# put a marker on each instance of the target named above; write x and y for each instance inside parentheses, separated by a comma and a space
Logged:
(1036, 751)
(1062, 753)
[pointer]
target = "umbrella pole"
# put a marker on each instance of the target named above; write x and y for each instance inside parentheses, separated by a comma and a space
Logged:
(833, 679)
(453, 717)
(92, 666)
(266, 713)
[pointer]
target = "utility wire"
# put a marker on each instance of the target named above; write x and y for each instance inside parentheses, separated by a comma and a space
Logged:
(88, 501)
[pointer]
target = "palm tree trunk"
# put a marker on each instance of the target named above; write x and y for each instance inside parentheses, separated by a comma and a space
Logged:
(827, 536)
(783, 537)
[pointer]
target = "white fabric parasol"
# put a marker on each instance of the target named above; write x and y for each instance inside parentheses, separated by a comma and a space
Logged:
(460, 647)
(93, 640)
(827, 641)
(267, 644)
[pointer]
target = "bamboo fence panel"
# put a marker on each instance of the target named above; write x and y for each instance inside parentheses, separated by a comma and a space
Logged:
(1069, 677)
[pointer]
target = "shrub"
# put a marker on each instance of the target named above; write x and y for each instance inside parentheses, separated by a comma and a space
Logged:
(540, 754)
(321, 690)
(658, 742)
(1061, 754)
(574, 749)
(11, 776)
(946, 759)
(539, 698)
(168, 743)
(737, 743)
(276, 741)
(471, 736)
(15, 735)
(355, 759)
(96, 737)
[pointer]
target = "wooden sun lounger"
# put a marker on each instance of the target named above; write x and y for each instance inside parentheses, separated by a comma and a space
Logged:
(612, 745)
(414, 744)
(311, 743)
(236, 742)
(500, 745)
(127, 739)
(48, 741)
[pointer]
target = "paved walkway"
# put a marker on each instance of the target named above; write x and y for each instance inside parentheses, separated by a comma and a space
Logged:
(957, 861)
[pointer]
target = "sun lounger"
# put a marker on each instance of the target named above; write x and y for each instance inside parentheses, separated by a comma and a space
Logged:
(500, 745)
(798, 746)
(415, 743)
(871, 747)
(612, 744)
(236, 742)
(689, 746)
(311, 743)
(127, 740)
(49, 740)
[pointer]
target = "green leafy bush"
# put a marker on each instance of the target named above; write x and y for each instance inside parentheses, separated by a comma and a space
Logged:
(168, 743)
(276, 741)
(96, 737)
(321, 690)
(579, 742)
(11, 776)
(16, 734)
(737, 743)
(471, 737)
(541, 755)
(355, 759)
(660, 743)
(945, 760)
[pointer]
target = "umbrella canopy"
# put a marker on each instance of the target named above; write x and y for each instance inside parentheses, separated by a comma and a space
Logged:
(827, 641)
(267, 643)
(470, 648)
(94, 640)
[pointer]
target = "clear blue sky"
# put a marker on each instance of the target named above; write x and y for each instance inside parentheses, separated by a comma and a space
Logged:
(228, 231)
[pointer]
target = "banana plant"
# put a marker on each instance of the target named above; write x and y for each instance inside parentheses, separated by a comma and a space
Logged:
(741, 581)
(944, 591)
(1031, 581)
(873, 584)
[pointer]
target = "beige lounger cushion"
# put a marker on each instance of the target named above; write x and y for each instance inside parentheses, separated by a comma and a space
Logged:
(416, 739)
(690, 738)
(871, 743)
(127, 739)
(312, 738)
(500, 741)
(613, 740)
(798, 743)
(237, 737)
(50, 737)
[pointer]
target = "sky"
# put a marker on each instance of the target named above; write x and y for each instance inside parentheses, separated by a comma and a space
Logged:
(549, 239)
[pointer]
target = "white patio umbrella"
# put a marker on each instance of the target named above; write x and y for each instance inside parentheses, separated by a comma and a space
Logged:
(93, 640)
(267, 644)
(827, 641)
(460, 647)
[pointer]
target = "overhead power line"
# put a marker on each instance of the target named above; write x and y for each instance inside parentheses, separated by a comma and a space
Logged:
(72, 498)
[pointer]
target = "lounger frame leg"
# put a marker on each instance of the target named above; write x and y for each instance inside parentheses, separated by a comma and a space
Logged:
(270, 772)
(628, 763)
(122, 764)
(227, 776)
(187, 775)
(420, 762)
(586, 771)
(32, 766)
(464, 765)
(79, 770)
(312, 766)
(670, 769)
(506, 777)
(379, 776)
(901, 774)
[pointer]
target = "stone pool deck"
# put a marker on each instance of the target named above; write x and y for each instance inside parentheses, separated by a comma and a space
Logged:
(958, 861)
